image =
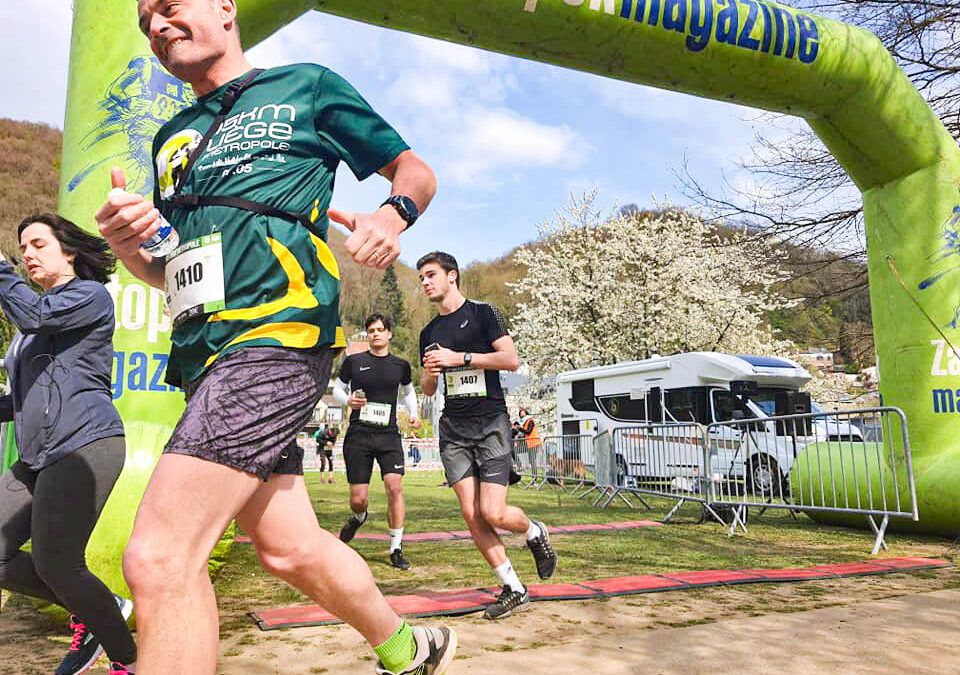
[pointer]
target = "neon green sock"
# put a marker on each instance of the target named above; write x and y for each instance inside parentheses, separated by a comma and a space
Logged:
(398, 651)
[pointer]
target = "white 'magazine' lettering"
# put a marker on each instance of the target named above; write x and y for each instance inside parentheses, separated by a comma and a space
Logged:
(134, 309)
(608, 6)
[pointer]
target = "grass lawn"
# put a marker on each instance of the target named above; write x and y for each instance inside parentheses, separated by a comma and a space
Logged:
(775, 540)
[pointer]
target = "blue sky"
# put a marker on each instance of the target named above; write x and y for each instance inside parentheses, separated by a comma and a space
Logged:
(509, 139)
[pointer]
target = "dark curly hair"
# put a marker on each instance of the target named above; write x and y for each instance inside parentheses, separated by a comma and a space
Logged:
(377, 316)
(94, 259)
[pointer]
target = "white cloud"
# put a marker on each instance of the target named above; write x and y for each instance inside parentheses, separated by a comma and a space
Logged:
(493, 141)
(457, 102)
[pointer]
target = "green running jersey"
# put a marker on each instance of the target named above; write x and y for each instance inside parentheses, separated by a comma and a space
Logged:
(279, 145)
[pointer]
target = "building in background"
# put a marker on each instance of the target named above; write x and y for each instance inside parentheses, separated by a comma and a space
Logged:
(821, 359)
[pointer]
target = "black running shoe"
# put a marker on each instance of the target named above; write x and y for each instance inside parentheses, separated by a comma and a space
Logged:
(543, 553)
(349, 529)
(398, 561)
(435, 650)
(514, 476)
(84, 650)
(508, 602)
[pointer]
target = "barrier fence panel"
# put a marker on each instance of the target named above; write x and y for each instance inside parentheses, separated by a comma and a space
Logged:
(570, 461)
(422, 454)
(530, 461)
(662, 460)
(846, 462)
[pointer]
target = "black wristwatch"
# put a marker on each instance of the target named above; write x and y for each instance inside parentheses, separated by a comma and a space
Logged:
(406, 207)
(467, 358)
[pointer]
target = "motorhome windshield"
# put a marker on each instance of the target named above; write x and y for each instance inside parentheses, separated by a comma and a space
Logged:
(765, 399)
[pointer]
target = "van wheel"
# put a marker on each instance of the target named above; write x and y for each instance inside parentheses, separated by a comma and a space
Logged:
(764, 478)
(621, 478)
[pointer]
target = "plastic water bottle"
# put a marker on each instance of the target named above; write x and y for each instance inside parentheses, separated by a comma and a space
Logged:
(163, 241)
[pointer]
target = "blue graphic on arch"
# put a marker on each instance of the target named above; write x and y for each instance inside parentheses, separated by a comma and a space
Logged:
(136, 104)
(949, 256)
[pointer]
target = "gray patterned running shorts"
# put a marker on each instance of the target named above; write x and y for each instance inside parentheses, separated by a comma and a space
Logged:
(247, 409)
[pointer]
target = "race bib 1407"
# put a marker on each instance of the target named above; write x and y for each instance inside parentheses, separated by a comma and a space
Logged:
(465, 382)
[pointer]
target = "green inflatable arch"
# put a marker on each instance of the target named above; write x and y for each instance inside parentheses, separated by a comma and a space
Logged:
(755, 52)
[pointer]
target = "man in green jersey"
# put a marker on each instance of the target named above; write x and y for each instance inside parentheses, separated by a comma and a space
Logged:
(245, 176)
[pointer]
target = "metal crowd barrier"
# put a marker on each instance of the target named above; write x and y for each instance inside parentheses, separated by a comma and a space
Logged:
(856, 462)
(420, 454)
(564, 462)
(850, 462)
(661, 460)
(530, 462)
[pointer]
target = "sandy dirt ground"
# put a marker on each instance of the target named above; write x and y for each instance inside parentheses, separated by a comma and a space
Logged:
(900, 623)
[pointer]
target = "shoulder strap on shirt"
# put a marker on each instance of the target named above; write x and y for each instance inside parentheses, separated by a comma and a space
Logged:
(226, 105)
(193, 200)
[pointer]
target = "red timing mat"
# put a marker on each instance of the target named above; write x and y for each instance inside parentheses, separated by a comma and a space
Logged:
(447, 603)
(632, 585)
(790, 574)
(712, 577)
(854, 568)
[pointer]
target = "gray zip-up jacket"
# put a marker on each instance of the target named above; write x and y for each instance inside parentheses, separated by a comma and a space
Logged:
(59, 364)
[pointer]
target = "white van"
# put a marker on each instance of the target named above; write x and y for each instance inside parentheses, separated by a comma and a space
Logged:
(701, 387)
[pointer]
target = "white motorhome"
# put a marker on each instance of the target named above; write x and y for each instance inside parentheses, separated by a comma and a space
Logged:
(703, 388)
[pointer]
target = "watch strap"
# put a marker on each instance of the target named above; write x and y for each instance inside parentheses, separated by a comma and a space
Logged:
(405, 207)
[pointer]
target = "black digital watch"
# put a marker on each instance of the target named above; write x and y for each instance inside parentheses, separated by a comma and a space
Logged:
(406, 207)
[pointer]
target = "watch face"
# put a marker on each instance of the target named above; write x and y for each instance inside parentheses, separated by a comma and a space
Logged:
(406, 207)
(411, 207)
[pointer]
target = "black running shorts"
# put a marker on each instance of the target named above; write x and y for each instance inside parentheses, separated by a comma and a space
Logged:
(360, 448)
(248, 407)
(476, 446)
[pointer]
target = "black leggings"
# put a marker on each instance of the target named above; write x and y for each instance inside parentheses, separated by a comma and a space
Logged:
(57, 508)
(326, 460)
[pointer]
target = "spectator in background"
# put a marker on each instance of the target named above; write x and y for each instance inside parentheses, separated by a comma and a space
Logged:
(319, 438)
(517, 436)
(531, 437)
(330, 435)
(414, 452)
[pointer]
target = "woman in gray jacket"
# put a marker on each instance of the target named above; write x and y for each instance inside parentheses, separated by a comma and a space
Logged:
(69, 435)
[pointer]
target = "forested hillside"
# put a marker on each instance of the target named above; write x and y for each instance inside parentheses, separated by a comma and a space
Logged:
(834, 311)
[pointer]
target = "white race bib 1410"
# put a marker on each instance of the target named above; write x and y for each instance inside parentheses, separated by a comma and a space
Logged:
(465, 382)
(194, 278)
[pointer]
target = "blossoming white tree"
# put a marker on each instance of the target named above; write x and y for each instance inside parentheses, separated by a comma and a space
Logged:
(599, 291)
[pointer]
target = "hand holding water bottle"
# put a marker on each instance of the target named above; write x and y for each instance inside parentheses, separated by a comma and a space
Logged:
(128, 222)
(358, 399)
